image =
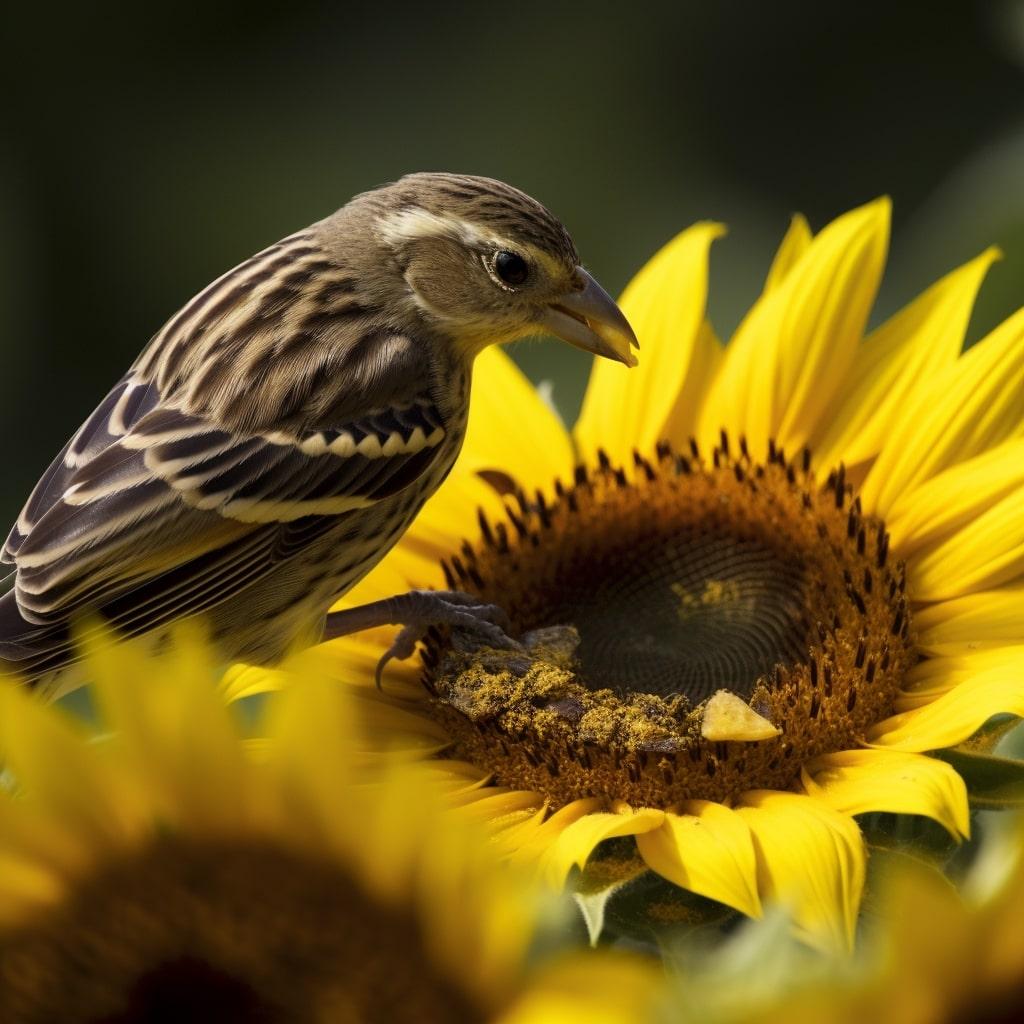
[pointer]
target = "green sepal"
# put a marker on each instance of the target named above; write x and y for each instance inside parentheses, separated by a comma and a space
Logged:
(990, 735)
(910, 835)
(886, 860)
(614, 866)
(993, 782)
(651, 910)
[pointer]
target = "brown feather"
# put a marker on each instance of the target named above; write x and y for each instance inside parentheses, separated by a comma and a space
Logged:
(281, 431)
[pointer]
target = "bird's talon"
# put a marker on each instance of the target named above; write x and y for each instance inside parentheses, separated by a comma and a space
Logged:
(417, 612)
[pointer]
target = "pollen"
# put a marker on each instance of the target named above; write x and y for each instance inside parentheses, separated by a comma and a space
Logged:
(692, 628)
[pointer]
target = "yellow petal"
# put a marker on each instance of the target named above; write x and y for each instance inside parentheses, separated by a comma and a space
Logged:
(985, 552)
(705, 362)
(859, 781)
(706, 848)
(975, 622)
(353, 660)
(728, 717)
(811, 860)
(403, 568)
(350, 660)
(954, 669)
(956, 414)
(478, 920)
(791, 355)
(393, 727)
(501, 809)
(52, 760)
(37, 835)
(929, 513)
(174, 733)
(795, 243)
(577, 841)
(930, 678)
(449, 517)
(454, 777)
(895, 359)
(957, 714)
(397, 815)
(309, 725)
(25, 887)
(241, 681)
(533, 839)
(629, 408)
(511, 428)
(931, 945)
(602, 987)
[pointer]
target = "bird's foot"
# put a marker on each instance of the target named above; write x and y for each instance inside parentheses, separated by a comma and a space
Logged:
(416, 612)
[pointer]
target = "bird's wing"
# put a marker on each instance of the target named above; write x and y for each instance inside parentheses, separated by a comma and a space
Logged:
(129, 400)
(246, 306)
(177, 513)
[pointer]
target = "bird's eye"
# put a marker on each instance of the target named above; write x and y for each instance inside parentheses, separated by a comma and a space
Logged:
(511, 267)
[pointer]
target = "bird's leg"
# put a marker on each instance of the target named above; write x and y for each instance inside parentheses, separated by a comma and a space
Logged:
(416, 612)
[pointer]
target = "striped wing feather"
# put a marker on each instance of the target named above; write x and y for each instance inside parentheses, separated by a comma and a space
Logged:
(175, 491)
(213, 461)
(127, 401)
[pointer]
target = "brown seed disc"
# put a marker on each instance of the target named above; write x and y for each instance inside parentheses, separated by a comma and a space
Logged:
(643, 595)
(231, 931)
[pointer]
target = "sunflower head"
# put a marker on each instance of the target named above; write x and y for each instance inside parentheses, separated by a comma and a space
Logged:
(170, 866)
(727, 620)
(757, 584)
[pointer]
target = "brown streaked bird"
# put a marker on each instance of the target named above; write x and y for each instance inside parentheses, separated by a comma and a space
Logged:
(280, 432)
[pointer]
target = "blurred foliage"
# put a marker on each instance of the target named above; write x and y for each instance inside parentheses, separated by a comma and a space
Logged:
(151, 147)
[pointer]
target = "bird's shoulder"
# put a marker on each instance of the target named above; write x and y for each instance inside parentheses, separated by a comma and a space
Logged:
(295, 339)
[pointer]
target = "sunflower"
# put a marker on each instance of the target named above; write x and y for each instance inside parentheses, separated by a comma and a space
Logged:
(756, 584)
(933, 955)
(169, 870)
(939, 956)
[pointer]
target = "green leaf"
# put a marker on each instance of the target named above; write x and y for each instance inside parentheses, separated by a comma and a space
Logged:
(993, 783)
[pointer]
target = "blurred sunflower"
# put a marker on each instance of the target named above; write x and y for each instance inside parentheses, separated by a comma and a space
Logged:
(168, 870)
(939, 956)
(755, 584)
(932, 955)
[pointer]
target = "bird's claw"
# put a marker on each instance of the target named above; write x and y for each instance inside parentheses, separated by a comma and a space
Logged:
(416, 612)
(458, 611)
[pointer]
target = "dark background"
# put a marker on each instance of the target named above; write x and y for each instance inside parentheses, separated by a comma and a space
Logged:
(152, 147)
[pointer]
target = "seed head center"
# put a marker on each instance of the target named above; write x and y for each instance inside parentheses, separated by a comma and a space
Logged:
(694, 629)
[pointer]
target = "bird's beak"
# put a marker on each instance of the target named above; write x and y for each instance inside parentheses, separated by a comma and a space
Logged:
(588, 318)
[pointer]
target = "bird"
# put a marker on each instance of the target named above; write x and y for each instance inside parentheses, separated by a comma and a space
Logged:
(281, 431)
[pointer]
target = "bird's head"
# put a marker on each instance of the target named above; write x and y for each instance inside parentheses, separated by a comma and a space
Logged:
(483, 262)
